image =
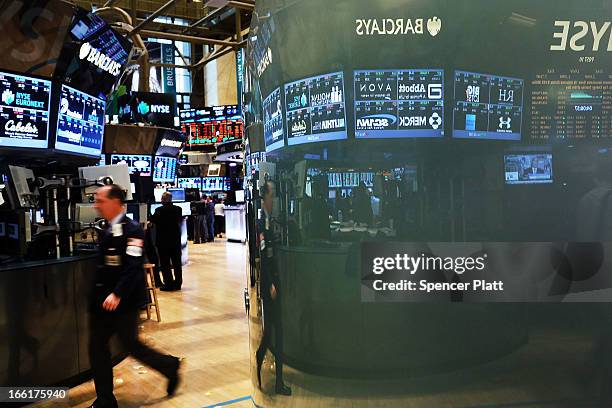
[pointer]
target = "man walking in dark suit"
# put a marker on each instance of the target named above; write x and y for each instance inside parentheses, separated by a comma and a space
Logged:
(167, 220)
(270, 292)
(117, 296)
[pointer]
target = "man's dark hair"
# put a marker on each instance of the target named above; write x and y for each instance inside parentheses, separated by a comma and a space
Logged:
(116, 193)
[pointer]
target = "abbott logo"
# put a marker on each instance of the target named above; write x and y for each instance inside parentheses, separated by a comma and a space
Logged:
(99, 59)
(434, 25)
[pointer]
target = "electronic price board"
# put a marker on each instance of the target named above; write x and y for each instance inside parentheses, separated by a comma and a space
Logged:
(571, 106)
(136, 162)
(190, 182)
(399, 103)
(24, 111)
(164, 169)
(487, 107)
(315, 109)
(273, 121)
(80, 124)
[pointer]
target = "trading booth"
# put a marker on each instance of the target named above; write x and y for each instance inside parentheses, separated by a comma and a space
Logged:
(451, 122)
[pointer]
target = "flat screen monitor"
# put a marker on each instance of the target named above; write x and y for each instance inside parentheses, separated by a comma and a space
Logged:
(240, 196)
(214, 183)
(149, 107)
(399, 103)
(190, 182)
(532, 168)
(487, 107)
(185, 207)
(93, 56)
(164, 169)
(315, 109)
(178, 194)
(24, 111)
(80, 123)
(273, 121)
(137, 163)
(211, 125)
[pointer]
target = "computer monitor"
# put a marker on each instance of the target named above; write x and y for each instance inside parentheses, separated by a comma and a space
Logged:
(239, 196)
(178, 194)
(164, 170)
(137, 163)
(532, 168)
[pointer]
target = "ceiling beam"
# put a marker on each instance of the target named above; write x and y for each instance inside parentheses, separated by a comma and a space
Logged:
(187, 38)
(152, 17)
(210, 16)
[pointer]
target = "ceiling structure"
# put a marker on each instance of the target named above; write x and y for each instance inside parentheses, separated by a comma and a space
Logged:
(221, 23)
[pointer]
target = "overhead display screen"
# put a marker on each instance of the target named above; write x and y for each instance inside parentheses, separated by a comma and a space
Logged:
(164, 169)
(487, 107)
(80, 123)
(190, 182)
(571, 106)
(215, 184)
(211, 125)
(399, 103)
(528, 168)
(316, 109)
(137, 163)
(24, 111)
(94, 55)
(273, 121)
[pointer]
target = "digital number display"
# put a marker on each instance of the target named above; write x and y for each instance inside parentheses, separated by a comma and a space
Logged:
(399, 103)
(164, 169)
(487, 107)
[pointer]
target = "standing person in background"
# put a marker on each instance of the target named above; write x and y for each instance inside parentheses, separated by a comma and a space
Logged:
(167, 220)
(219, 218)
(117, 296)
(200, 230)
(210, 218)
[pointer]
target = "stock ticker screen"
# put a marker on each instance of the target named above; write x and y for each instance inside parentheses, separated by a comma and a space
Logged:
(164, 169)
(487, 106)
(80, 123)
(137, 163)
(399, 103)
(571, 105)
(24, 111)
(316, 109)
(211, 125)
(273, 121)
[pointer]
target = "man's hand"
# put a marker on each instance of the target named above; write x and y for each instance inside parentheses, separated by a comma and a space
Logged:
(111, 302)
(273, 291)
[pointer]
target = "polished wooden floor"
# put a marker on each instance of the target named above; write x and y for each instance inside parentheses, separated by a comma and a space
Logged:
(206, 323)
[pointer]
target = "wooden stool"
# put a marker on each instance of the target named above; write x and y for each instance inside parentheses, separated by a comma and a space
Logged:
(151, 290)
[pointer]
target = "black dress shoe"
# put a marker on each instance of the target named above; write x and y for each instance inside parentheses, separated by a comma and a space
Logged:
(167, 288)
(283, 389)
(259, 363)
(96, 404)
(174, 379)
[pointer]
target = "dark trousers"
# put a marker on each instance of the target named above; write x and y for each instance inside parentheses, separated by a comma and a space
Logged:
(125, 324)
(172, 255)
(272, 320)
(219, 224)
(210, 223)
(200, 230)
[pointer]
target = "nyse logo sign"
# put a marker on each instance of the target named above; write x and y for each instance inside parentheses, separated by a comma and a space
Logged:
(582, 36)
(397, 26)
(160, 109)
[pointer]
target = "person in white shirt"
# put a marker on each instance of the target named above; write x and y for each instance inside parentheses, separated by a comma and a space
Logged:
(219, 218)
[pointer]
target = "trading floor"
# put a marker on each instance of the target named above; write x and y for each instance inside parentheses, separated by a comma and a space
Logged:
(206, 323)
